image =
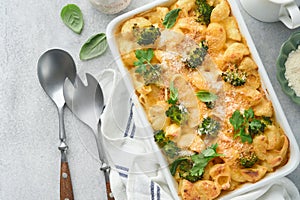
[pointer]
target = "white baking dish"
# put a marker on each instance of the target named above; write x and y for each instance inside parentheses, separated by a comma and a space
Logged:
(294, 149)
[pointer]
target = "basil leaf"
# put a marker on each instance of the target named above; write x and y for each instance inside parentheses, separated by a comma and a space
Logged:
(171, 18)
(72, 17)
(93, 47)
(206, 96)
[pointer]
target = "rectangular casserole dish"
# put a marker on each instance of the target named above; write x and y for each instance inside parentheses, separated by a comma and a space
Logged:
(294, 156)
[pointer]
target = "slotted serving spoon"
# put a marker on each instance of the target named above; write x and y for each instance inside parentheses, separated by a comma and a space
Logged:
(87, 103)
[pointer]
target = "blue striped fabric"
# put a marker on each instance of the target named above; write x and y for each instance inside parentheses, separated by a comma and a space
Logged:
(123, 171)
(155, 194)
(130, 126)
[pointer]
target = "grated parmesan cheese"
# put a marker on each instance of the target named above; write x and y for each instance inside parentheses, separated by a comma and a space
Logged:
(292, 73)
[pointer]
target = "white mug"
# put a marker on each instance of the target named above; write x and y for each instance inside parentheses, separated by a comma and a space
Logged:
(286, 11)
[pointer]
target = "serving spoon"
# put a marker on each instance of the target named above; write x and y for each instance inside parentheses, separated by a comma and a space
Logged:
(53, 67)
(87, 103)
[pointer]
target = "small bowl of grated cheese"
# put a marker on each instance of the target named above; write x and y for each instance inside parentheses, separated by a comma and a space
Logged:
(288, 67)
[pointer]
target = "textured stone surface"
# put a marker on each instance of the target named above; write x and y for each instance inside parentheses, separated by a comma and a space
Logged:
(29, 158)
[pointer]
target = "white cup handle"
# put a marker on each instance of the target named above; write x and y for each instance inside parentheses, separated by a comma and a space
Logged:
(289, 14)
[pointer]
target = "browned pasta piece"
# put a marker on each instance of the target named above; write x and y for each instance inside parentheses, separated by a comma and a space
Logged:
(252, 95)
(276, 157)
(220, 12)
(157, 116)
(236, 174)
(157, 16)
(253, 79)
(129, 58)
(264, 108)
(254, 174)
(247, 64)
(197, 145)
(220, 173)
(232, 30)
(185, 6)
(185, 140)
(274, 137)
(215, 37)
(139, 21)
(199, 190)
(235, 52)
(260, 146)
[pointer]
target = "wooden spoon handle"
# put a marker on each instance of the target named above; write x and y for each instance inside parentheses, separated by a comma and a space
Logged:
(109, 192)
(66, 189)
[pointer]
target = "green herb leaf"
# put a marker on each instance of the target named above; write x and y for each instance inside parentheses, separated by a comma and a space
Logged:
(93, 47)
(246, 126)
(249, 114)
(150, 72)
(244, 136)
(236, 119)
(202, 159)
(143, 56)
(173, 94)
(206, 96)
(171, 17)
(71, 15)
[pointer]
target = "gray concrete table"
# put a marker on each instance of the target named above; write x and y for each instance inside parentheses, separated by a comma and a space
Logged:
(29, 158)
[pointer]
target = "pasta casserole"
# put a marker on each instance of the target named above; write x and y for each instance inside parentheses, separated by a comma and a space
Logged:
(200, 88)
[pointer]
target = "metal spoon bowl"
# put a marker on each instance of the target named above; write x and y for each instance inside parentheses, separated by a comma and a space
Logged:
(53, 67)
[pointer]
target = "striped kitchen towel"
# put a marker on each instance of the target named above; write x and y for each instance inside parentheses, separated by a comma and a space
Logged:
(138, 171)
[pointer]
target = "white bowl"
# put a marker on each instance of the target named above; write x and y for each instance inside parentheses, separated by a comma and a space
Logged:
(294, 149)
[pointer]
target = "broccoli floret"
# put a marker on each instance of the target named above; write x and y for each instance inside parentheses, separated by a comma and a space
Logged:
(259, 125)
(266, 120)
(210, 104)
(203, 11)
(177, 113)
(248, 159)
(171, 149)
(256, 126)
(152, 74)
(160, 138)
(168, 146)
(234, 77)
(184, 169)
(147, 35)
(196, 57)
(209, 126)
